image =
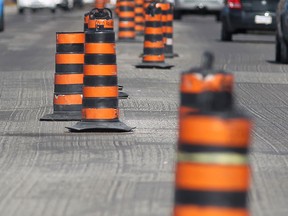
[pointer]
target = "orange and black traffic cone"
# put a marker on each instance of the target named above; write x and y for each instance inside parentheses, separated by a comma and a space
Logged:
(139, 17)
(103, 17)
(100, 110)
(126, 30)
(68, 81)
(153, 54)
(168, 49)
(212, 170)
(197, 82)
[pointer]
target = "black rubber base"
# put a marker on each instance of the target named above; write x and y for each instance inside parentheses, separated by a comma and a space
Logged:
(123, 95)
(154, 65)
(171, 55)
(62, 116)
(100, 126)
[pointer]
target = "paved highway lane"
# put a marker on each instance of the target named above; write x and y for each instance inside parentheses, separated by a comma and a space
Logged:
(47, 171)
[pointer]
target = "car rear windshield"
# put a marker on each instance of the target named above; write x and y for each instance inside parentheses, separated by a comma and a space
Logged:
(259, 5)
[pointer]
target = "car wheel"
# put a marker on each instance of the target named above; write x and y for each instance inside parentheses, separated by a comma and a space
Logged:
(20, 10)
(177, 14)
(225, 34)
(283, 52)
(277, 49)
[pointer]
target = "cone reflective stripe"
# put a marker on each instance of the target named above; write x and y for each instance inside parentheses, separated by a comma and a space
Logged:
(100, 91)
(126, 30)
(153, 55)
(169, 53)
(68, 79)
(212, 171)
(139, 17)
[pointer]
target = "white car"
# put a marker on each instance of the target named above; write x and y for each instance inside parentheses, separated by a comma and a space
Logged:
(39, 4)
(197, 6)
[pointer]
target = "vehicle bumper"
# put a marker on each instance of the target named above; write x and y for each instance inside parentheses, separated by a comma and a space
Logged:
(196, 6)
(242, 20)
(37, 4)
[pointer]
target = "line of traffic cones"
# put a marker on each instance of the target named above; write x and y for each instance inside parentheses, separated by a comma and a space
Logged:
(86, 83)
(212, 169)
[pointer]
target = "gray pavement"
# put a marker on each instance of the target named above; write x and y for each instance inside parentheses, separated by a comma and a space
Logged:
(47, 171)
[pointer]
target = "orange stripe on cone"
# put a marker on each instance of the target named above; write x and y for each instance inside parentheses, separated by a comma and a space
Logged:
(100, 91)
(199, 177)
(149, 30)
(156, 58)
(69, 58)
(181, 210)
(157, 44)
(101, 114)
(219, 131)
(123, 14)
(67, 99)
(100, 70)
(66, 79)
(100, 48)
(126, 34)
(75, 38)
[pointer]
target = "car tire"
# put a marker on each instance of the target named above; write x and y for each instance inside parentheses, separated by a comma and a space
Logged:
(277, 49)
(225, 34)
(177, 15)
(283, 52)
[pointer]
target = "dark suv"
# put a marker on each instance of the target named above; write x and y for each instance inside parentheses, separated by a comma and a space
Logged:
(282, 32)
(240, 16)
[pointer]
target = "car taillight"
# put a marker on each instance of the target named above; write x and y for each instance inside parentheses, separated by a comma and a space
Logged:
(234, 4)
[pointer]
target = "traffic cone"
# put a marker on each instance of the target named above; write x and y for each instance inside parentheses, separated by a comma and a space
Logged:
(168, 46)
(212, 170)
(100, 4)
(153, 54)
(103, 18)
(198, 82)
(126, 30)
(68, 81)
(100, 91)
(139, 17)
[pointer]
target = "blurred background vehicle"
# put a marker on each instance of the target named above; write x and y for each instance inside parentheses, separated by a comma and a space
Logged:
(281, 49)
(50, 4)
(36, 4)
(198, 7)
(1, 15)
(240, 16)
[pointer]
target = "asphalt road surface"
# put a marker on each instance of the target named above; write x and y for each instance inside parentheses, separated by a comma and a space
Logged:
(45, 170)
